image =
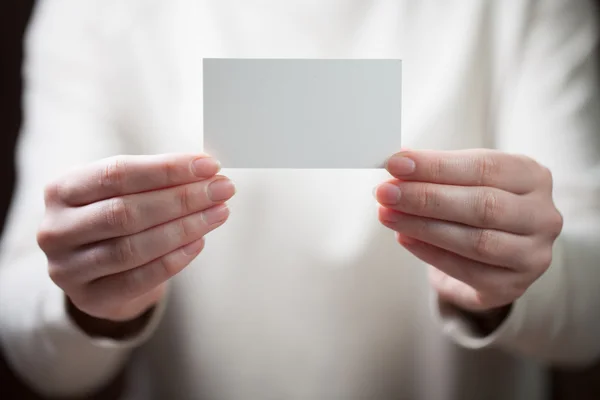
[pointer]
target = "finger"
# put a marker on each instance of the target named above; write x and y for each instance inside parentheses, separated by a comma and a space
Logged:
(128, 252)
(476, 206)
(131, 214)
(469, 284)
(123, 175)
(481, 167)
(488, 246)
(137, 284)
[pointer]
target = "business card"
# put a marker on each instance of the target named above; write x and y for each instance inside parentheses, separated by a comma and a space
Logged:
(302, 113)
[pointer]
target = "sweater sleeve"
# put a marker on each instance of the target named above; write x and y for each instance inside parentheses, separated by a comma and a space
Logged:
(550, 110)
(69, 120)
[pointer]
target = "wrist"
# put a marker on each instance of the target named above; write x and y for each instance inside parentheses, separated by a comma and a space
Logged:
(104, 328)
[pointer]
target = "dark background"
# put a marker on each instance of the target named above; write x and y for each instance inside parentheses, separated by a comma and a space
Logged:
(14, 14)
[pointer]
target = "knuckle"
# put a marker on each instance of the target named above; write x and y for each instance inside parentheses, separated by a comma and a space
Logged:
(123, 251)
(487, 208)
(111, 176)
(174, 232)
(421, 227)
(488, 168)
(58, 274)
(437, 168)
(119, 215)
(178, 232)
(424, 228)
(426, 198)
(555, 223)
(47, 235)
(520, 286)
(99, 256)
(185, 229)
(540, 261)
(169, 267)
(539, 172)
(486, 243)
(185, 198)
(62, 190)
(171, 172)
(53, 192)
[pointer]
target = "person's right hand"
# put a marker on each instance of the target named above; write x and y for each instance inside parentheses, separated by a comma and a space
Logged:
(115, 231)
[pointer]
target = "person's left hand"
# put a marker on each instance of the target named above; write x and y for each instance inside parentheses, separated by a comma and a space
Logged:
(484, 220)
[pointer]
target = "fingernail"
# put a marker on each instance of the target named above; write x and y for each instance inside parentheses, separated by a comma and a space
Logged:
(221, 190)
(399, 164)
(216, 214)
(194, 247)
(205, 167)
(388, 193)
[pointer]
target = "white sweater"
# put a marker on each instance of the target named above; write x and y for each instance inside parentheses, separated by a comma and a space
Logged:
(301, 296)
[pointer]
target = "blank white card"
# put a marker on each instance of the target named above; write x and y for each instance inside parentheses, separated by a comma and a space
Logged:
(288, 113)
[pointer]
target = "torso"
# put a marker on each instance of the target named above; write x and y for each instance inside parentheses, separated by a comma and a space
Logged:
(303, 294)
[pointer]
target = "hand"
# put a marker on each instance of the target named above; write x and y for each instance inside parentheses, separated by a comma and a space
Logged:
(115, 231)
(484, 220)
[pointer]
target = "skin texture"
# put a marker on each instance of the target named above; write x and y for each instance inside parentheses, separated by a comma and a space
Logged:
(484, 221)
(117, 230)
